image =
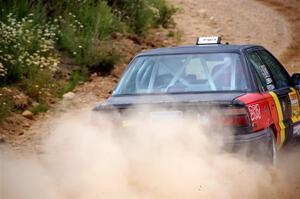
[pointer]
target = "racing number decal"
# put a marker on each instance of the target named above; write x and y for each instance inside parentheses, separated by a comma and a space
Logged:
(280, 117)
(255, 113)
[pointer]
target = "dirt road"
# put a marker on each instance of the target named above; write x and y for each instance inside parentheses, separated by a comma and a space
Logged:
(242, 21)
(273, 24)
(269, 24)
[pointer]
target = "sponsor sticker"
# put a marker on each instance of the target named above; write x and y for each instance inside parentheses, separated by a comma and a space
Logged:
(270, 87)
(265, 71)
(295, 107)
(294, 100)
(297, 130)
(269, 80)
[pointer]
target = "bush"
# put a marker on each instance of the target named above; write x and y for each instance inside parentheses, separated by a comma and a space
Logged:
(31, 31)
(140, 15)
(137, 14)
(104, 61)
(83, 24)
(77, 75)
(27, 55)
(4, 110)
(165, 13)
(22, 8)
(42, 106)
(6, 103)
(83, 32)
(26, 49)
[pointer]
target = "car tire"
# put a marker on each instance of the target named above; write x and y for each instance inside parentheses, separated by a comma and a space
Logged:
(272, 149)
(266, 151)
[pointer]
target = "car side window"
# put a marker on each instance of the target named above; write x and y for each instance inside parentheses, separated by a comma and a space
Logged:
(265, 81)
(278, 73)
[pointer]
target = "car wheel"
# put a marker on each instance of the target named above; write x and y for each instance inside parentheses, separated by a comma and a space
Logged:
(273, 149)
(266, 151)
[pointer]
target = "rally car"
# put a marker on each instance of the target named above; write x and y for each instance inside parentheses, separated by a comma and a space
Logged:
(248, 85)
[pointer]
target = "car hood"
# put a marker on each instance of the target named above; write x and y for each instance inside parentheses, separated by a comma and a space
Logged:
(216, 98)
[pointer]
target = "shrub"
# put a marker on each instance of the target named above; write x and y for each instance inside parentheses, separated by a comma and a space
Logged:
(77, 75)
(137, 14)
(104, 61)
(22, 8)
(6, 103)
(140, 15)
(28, 56)
(42, 106)
(83, 32)
(4, 109)
(26, 49)
(3, 70)
(165, 13)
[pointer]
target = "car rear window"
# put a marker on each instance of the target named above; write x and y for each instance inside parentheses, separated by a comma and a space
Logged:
(183, 73)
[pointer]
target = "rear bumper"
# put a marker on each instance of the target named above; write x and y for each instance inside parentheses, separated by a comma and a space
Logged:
(260, 136)
(251, 141)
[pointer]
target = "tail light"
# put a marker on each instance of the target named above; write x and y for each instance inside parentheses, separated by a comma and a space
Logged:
(236, 117)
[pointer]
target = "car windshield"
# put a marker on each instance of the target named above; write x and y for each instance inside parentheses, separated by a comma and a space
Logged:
(183, 73)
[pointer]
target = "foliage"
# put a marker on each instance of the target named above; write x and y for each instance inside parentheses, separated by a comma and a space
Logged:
(81, 34)
(5, 108)
(26, 49)
(78, 75)
(165, 13)
(140, 15)
(22, 8)
(42, 106)
(32, 32)
(6, 103)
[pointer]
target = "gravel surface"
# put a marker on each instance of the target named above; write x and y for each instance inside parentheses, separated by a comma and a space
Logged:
(237, 22)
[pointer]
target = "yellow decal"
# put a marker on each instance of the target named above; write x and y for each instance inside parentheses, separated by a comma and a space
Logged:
(280, 118)
(295, 106)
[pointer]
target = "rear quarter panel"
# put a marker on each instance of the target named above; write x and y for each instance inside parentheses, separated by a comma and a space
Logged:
(259, 110)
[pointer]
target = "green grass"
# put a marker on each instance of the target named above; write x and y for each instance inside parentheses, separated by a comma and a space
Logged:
(80, 29)
(4, 112)
(78, 75)
(165, 13)
(6, 106)
(41, 107)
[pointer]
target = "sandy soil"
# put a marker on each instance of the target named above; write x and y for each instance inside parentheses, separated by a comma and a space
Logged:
(253, 22)
(245, 22)
(274, 24)
(237, 22)
(269, 24)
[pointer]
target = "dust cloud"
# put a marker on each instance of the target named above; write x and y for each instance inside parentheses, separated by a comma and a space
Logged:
(147, 159)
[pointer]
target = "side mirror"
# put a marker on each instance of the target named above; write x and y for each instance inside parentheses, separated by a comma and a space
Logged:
(296, 80)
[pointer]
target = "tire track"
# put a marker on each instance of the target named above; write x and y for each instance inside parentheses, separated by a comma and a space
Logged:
(271, 23)
(290, 9)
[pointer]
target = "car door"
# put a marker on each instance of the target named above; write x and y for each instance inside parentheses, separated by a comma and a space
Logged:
(277, 95)
(285, 95)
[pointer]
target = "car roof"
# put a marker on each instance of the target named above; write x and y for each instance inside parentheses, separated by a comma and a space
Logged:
(218, 48)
